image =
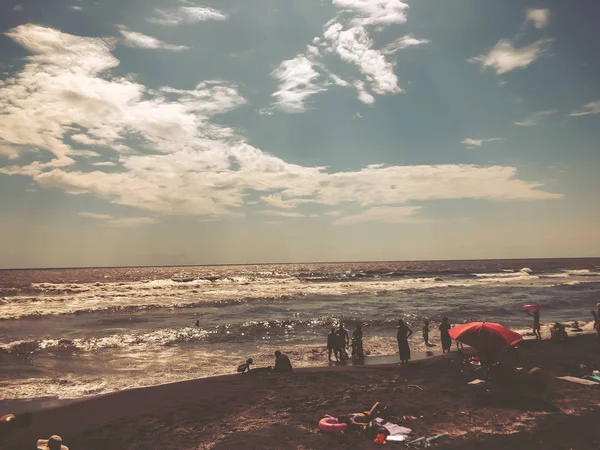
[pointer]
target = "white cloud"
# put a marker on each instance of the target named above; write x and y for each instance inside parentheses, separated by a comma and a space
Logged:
(347, 35)
(363, 95)
(472, 143)
(77, 8)
(185, 14)
(296, 84)
(539, 17)
(354, 46)
(104, 164)
(135, 39)
(382, 214)
(189, 165)
(535, 118)
(375, 12)
(288, 214)
(18, 8)
(405, 41)
(338, 81)
(125, 222)
(504, 57)
(89, 215)
(587, 109)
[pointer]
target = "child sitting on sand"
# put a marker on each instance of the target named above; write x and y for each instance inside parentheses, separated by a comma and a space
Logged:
(245, 368)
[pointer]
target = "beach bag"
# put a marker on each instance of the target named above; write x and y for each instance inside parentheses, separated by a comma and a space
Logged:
(374, 428)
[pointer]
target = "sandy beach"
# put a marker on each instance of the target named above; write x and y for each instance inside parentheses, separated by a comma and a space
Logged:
(282, 411)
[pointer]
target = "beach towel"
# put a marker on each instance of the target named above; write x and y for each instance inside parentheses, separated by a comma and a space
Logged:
(579, 381)
(593, 377)
(392, 428)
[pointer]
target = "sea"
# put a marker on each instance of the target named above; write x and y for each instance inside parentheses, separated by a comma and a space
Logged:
(73, 333)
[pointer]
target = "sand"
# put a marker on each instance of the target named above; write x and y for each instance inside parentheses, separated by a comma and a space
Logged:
(282, 411)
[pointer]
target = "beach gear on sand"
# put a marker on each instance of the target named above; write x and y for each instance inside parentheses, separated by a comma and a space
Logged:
(52, 443)
(579, 380)
(532, 307)
(331, 425)
(426, 441)
(485, 336)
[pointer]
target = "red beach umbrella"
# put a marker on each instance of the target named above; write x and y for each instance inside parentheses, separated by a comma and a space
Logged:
(485, 336)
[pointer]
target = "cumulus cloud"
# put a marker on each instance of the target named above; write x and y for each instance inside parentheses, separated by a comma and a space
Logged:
(375, 12)
(472, 143)
(353, 45)
(18, 8)
(135, 39)
(381, 214)
(125, 222)
(403, 42)
(172, 158)
(536, 118)
(505, 57)
(296, 84)
(539, 17)
(348, 36)
(77, 8)
(185, 14)
(587, 109)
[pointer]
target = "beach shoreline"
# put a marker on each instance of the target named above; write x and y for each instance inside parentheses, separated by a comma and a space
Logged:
(282, 411)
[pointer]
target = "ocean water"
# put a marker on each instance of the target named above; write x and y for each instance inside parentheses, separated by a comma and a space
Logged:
(71, 333)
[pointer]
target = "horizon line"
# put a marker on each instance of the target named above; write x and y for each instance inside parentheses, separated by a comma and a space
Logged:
(135, 266)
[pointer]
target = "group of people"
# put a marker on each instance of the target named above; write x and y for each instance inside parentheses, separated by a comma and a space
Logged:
(338, 341)
(558, 331)
(404, 332)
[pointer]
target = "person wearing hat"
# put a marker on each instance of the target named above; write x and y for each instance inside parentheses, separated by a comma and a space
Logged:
(52, 443)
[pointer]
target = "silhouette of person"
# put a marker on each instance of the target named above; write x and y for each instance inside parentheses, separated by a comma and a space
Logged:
(402, 336)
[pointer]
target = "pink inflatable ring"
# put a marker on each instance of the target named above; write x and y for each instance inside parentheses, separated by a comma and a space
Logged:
(331, 425)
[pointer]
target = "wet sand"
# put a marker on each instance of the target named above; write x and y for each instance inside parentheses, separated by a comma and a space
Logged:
(282, 411)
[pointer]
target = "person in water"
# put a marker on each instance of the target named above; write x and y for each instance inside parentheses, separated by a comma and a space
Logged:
(402, 336)
(198, 323)
(357, 343)
(426, 334)
(282, 363)
(536, 324)
(445, 335)
(332, 346)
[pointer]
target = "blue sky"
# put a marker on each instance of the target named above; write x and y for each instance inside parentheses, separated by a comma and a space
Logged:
(179, 132)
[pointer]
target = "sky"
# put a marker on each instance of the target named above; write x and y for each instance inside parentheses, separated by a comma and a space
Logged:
(166, 132)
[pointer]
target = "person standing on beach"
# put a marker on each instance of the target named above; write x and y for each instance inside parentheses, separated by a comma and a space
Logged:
(596, 323)
(332, 344)
(445, 335)
(402, 336)
(357, 343)
(536, 324)
(426, 333)
(343, 341)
